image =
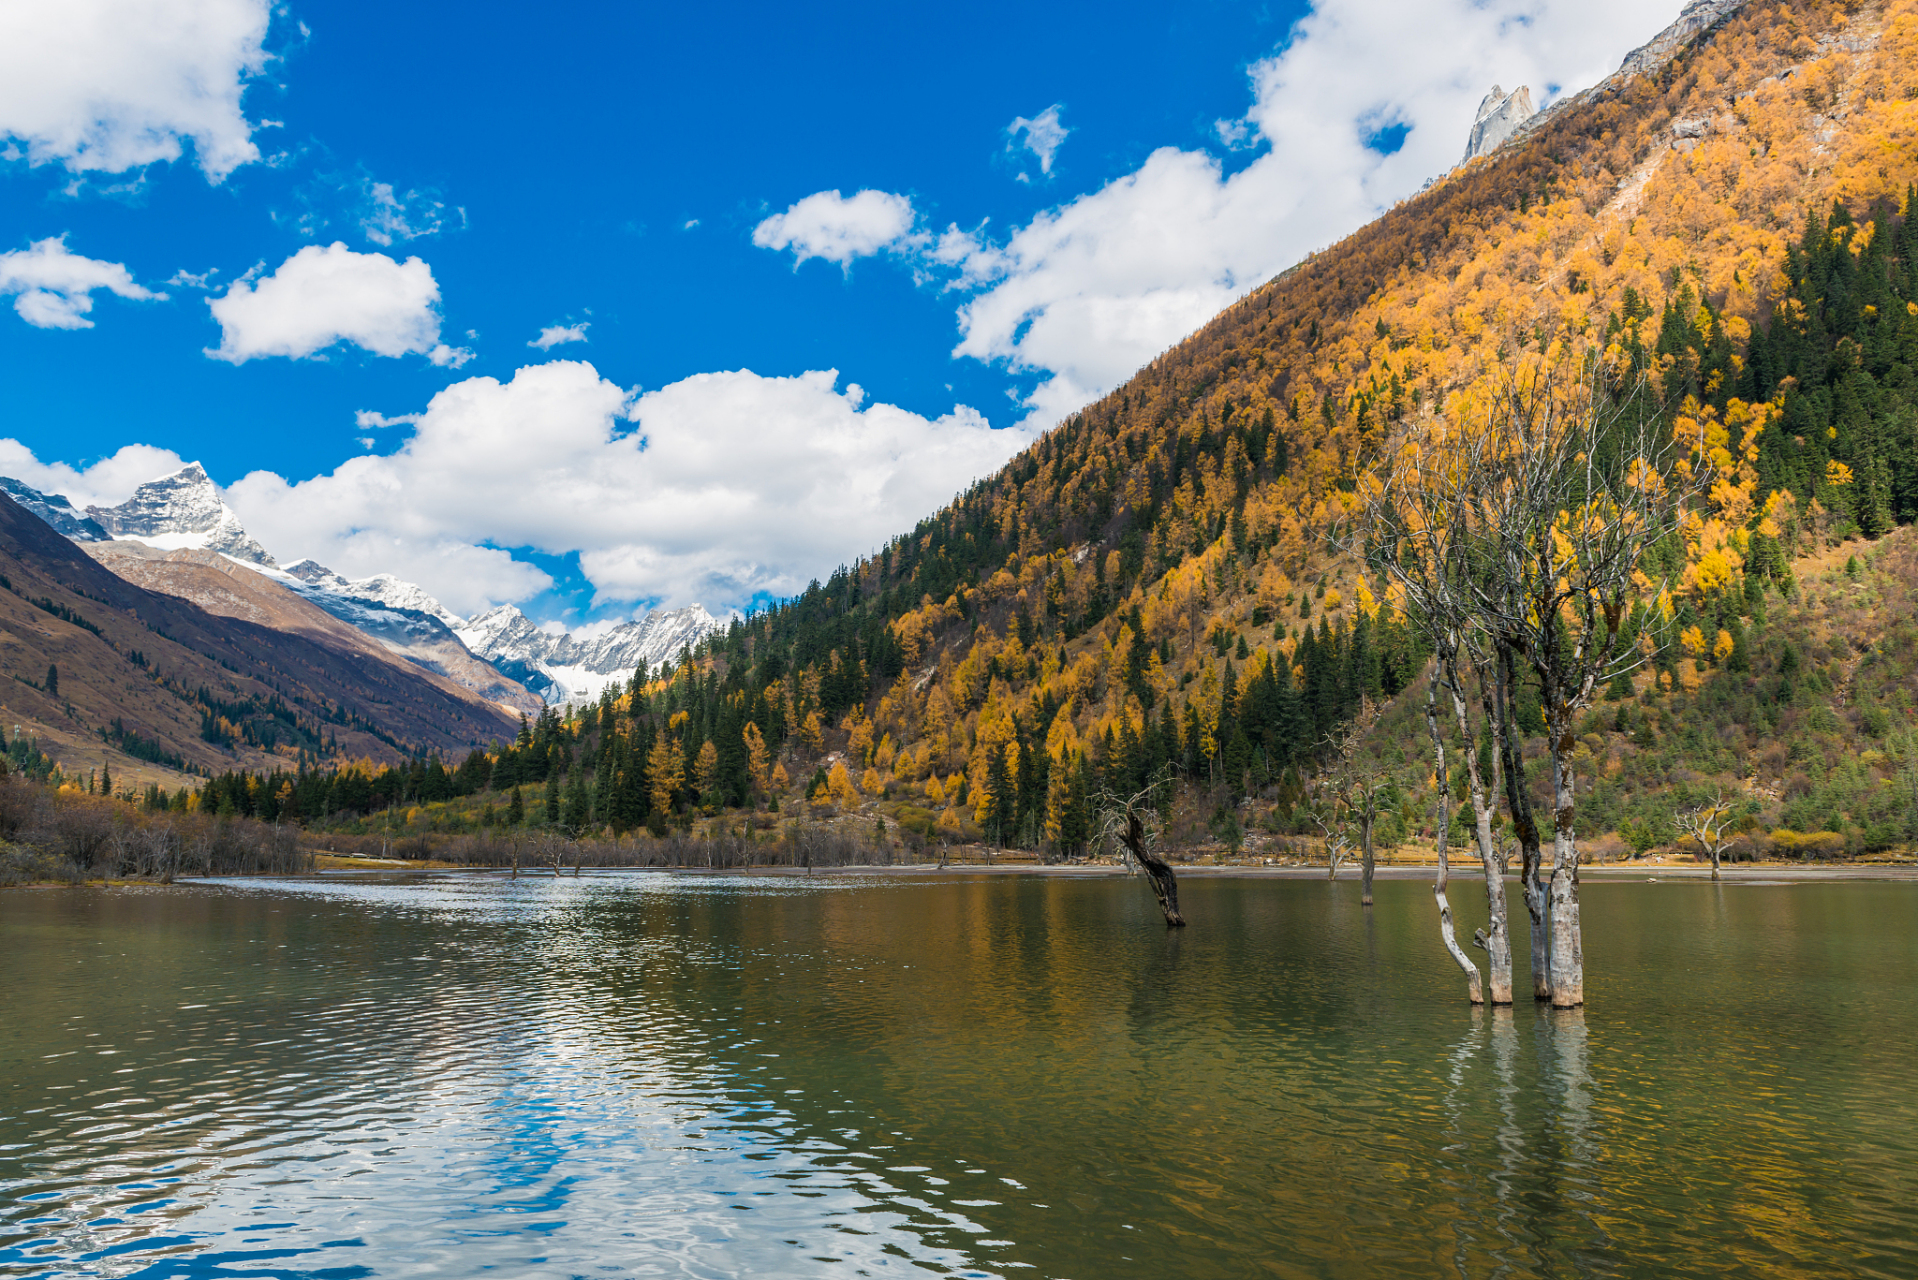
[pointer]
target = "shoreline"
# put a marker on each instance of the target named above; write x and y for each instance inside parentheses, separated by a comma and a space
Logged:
(1761, 874)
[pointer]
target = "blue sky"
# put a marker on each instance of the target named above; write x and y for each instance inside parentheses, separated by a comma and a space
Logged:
(1052, 194)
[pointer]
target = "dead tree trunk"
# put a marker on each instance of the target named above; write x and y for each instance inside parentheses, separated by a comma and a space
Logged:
(1472, 981)
(1568, 951)
(1496, 941)
(1164, 884)
(1366, 861)
(1127, 822)
(1519, 801)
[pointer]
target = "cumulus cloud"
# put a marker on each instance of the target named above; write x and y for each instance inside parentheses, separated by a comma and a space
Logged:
(107, 483)
(321, 296)
(555, 334)
(1042, 135)
(711, 489)
(53, 289)
(112, 85)
(839, 228)
(365, 418)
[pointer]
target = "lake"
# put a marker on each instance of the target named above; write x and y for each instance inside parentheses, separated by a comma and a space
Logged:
(708, 1076)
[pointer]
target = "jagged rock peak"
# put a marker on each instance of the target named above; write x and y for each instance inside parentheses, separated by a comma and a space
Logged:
(56, 510)
(182, 510)
(1499, 117)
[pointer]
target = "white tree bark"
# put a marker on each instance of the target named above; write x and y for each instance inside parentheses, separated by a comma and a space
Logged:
(1473, 983)
(1568, 950)
(1497, 940)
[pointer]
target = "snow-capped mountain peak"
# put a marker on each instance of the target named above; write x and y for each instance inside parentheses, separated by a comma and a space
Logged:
(182, 510)
(381, 588)
(574, 667)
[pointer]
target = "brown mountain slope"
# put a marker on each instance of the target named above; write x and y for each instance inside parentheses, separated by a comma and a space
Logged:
(196, 690)
(230, 590)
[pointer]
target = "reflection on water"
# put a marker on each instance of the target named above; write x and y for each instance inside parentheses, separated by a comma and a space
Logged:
(705, 1076)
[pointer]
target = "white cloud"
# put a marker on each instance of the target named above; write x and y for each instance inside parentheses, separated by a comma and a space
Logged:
(54, 289)
(372, 418)
(107, 483)
(838, 228)
(112, 85)
(555, 334)
(386, 217)
(1088, 292)
(321, 296)
(730, 484)
(1042, 135)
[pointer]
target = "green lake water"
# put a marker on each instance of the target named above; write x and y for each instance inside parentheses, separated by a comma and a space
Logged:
(702, 1076)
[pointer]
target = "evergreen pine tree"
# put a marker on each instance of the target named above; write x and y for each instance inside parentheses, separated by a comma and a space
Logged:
(552, 797)
(53, 680)
(515, 809)
(576, 808)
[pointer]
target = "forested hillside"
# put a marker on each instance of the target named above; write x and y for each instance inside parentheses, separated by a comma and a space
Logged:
(1158, 582)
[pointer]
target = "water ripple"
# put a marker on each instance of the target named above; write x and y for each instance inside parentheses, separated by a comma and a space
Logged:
(692, 1075)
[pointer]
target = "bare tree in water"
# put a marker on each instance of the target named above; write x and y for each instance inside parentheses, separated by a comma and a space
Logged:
(1711, 825)
(1567, 489)
(1474, 988)
(1517, 529)
(1132, 823)
(1417, 510)
(1337, 845)
(1358, 783)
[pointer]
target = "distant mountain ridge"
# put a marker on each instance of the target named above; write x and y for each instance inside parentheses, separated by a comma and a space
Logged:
(501, 654)
(55, 510)
(567, 668)
(149, 680)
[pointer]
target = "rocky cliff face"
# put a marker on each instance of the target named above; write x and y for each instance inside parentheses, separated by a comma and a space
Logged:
(1694, 20)
(576, 668)
(182, 511)
(1499, 117)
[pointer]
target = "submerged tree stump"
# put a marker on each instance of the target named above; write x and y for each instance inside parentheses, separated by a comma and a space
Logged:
(1164, 884)
(1133, 823)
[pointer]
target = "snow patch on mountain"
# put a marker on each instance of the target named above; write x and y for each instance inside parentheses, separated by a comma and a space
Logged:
(575, 667)
(380, 589)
